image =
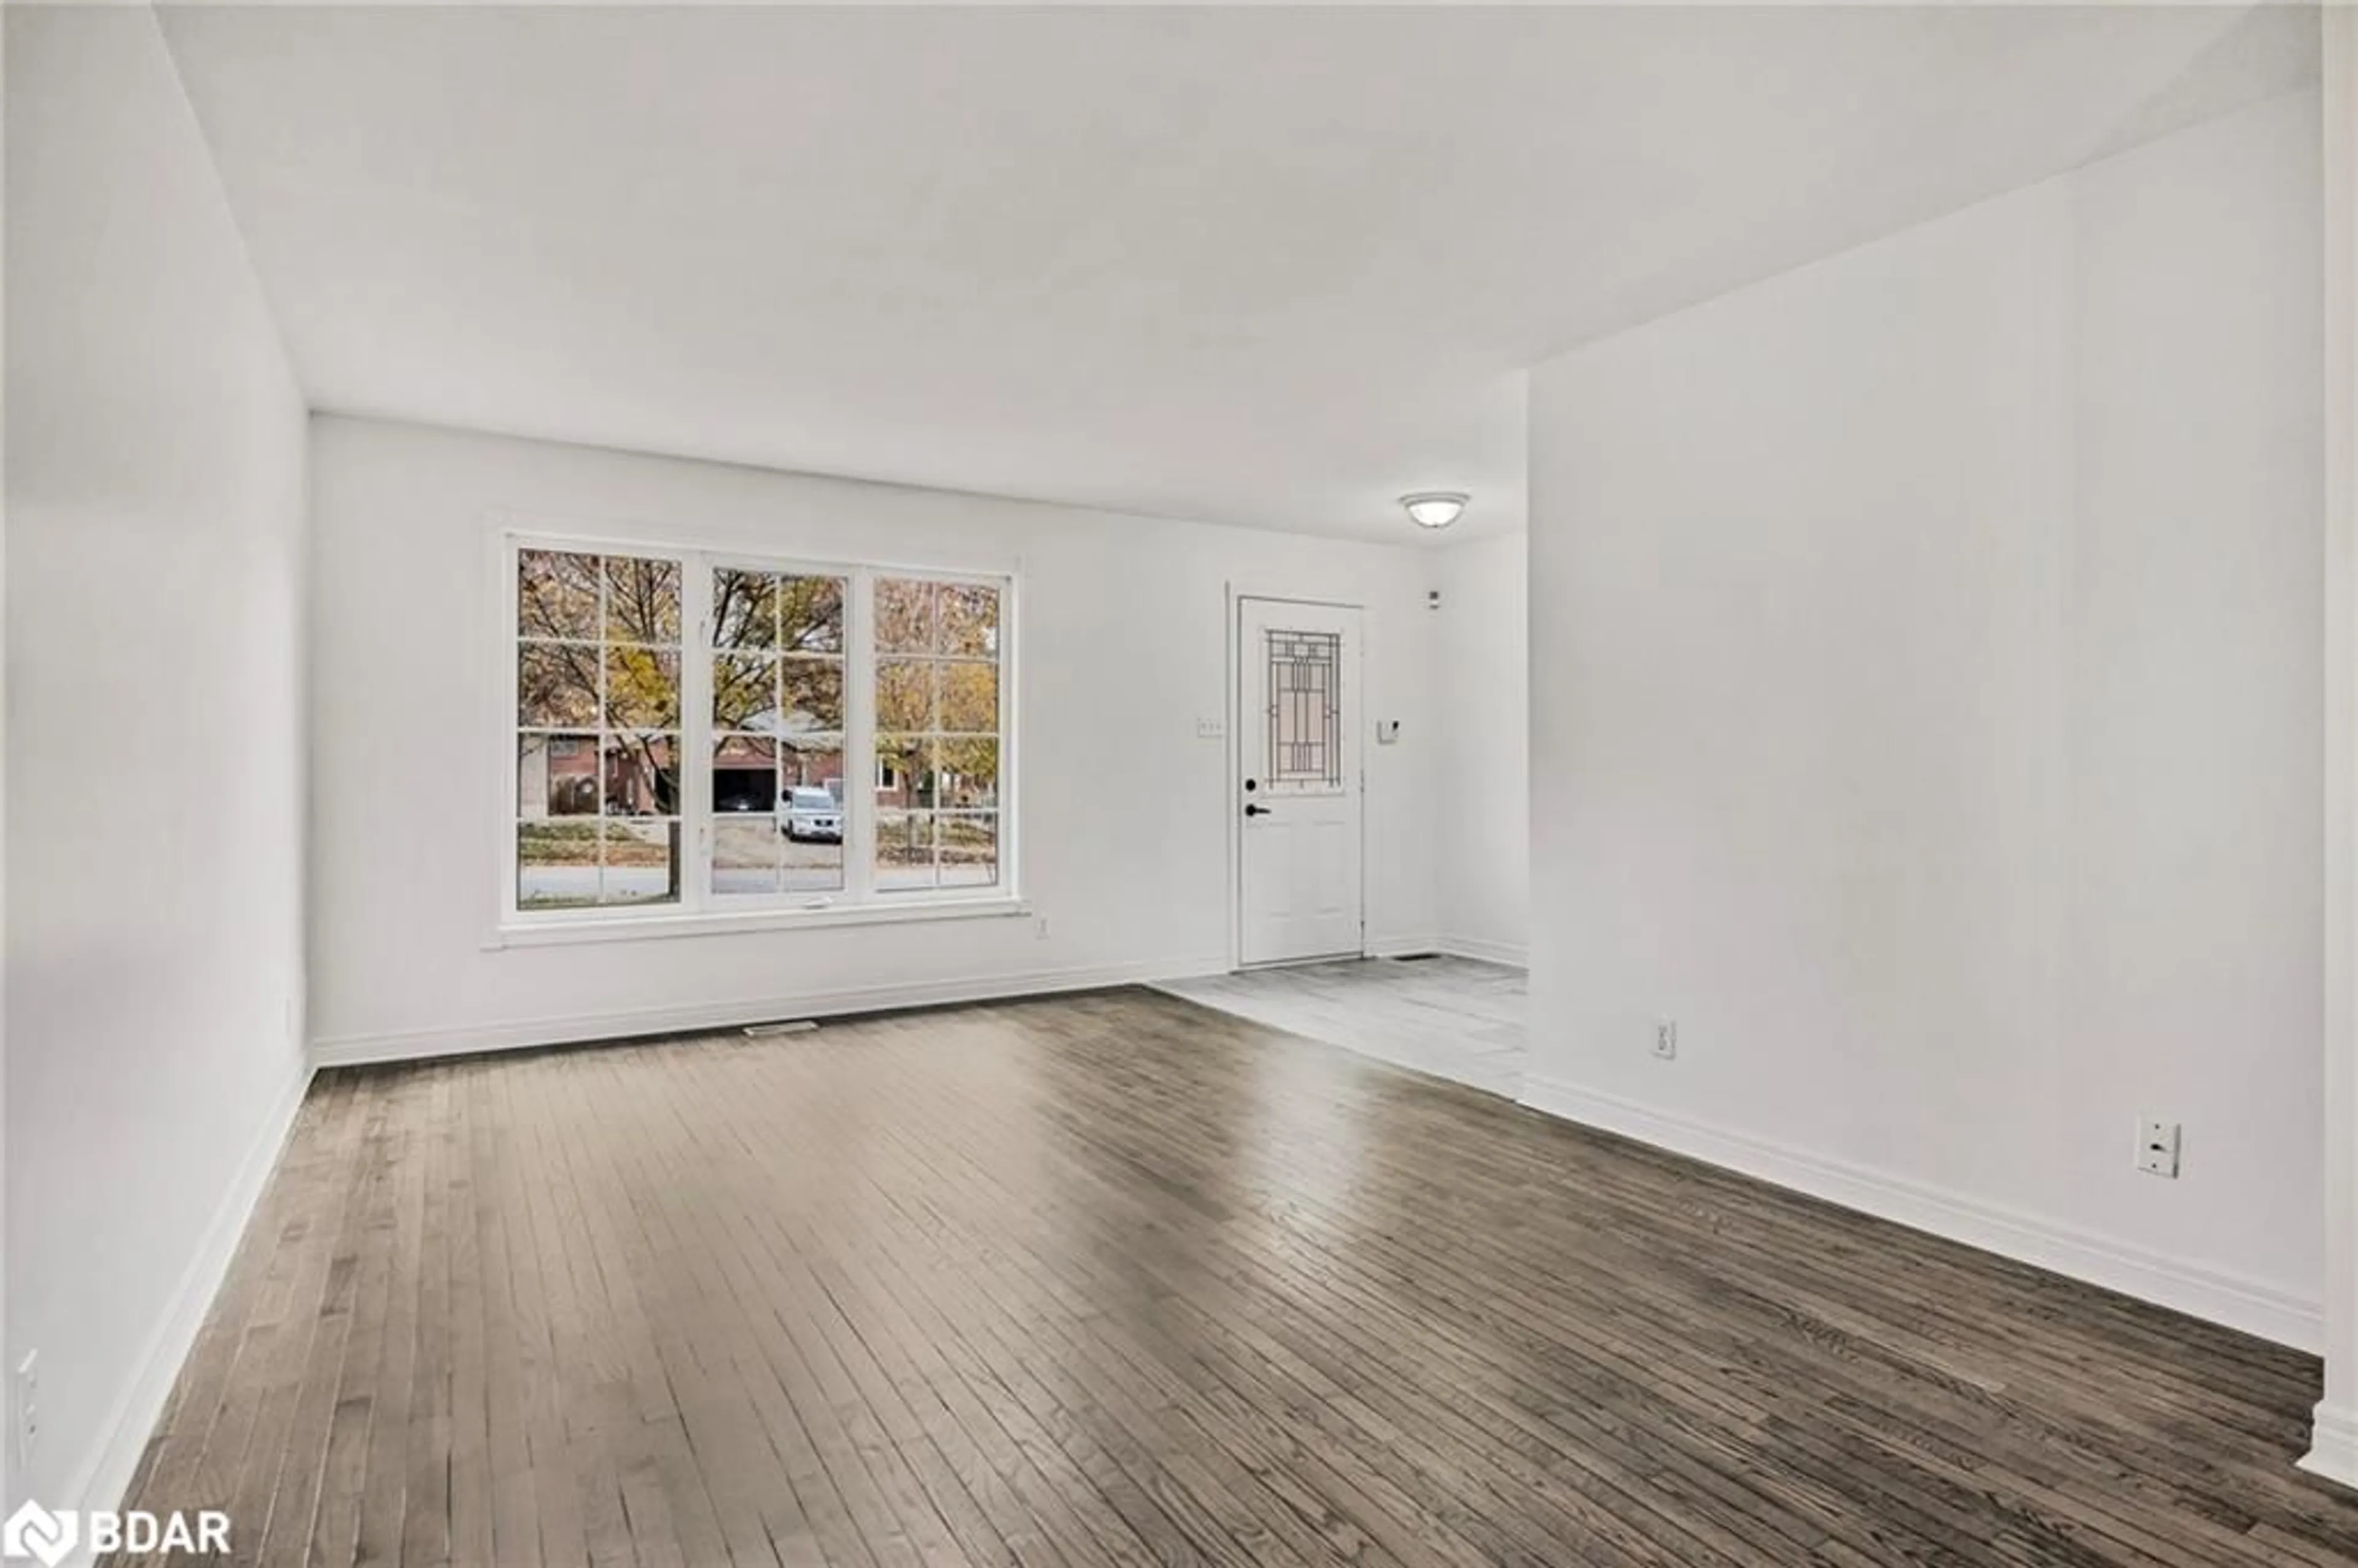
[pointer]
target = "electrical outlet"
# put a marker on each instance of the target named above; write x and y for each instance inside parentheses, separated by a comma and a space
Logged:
(1666, 1039)
(25, 1406)
(2156, 1154)
(1040, 929)
(1210, 729)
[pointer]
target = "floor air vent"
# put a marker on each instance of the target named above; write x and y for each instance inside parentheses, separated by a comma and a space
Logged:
(792, 1026)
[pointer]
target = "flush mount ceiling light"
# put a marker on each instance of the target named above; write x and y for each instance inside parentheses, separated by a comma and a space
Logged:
(1434, 508)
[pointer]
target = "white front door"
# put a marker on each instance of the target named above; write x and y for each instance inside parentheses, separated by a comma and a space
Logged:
(1298, 746)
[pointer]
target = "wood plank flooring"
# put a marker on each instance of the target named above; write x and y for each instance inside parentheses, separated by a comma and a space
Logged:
(1459, 1019)
(1118, 1280)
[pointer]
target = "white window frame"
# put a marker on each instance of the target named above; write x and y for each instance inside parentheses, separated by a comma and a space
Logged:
(698, 910)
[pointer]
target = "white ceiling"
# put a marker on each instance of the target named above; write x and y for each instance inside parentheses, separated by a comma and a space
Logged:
(1263, 266)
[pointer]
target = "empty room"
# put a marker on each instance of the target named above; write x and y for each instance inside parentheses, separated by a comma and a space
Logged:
(1054, 787)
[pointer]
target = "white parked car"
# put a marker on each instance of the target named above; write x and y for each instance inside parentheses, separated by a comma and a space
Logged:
(811, 814)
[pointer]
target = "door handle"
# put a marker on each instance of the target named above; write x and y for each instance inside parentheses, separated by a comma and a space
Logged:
(1256, 811)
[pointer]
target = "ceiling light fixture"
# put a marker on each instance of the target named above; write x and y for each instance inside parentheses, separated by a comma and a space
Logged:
(1434, 508)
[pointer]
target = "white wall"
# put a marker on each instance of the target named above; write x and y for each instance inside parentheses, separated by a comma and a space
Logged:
(7, 1446)
(1124, 810)
(1926, 717)
(1484, 885)
(154, 774)
(2333, 1449)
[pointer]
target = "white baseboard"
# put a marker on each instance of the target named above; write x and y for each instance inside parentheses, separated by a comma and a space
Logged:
(1394, 947)
(2250, 1305)
(104, 1475)
(1510, 953)
(465, 1039)
(2333, 1445)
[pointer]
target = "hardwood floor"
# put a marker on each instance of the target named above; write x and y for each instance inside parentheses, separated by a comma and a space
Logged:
(1116, 1280)
(1459, 1019)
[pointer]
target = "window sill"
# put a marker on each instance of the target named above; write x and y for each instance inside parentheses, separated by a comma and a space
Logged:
(653, 927)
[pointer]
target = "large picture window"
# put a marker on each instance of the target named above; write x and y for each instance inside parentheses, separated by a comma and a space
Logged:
(684, 725)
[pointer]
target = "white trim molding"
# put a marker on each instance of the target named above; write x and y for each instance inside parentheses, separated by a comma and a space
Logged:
(2333, 1445)
(2335, 1453)
(2251, 1305)
(1513, 954)
(653, 927)
(522, 1034)
(104, 1475)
